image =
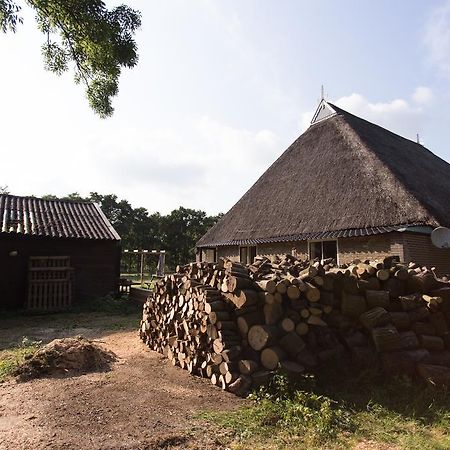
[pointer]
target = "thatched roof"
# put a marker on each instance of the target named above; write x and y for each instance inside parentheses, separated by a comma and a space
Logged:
(343, 176)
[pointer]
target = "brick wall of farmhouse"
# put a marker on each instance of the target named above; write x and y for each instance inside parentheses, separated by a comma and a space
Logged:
(373, 247)
(418, 248)
(299, 248)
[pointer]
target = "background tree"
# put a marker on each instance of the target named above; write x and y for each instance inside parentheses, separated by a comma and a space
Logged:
(84, 34)
(181, 229)
(177, 232)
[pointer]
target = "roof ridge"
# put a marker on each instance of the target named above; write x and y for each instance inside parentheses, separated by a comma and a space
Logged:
(392, 176)
(27, 197)
(343, 112)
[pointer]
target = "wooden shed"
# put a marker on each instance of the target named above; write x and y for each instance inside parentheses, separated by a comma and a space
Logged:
(53, 253)
(346, 189)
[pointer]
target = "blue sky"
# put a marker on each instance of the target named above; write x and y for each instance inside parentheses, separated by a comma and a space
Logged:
(221, 89)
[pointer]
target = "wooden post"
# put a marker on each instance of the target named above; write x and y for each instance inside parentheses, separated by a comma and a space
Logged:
(142, 267)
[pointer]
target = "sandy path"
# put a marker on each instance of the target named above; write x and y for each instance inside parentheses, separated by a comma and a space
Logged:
(143, 403)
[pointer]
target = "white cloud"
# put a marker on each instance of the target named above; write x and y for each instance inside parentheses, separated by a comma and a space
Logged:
(201, 163)
(437, 37)
(423, 95)
(404, 117)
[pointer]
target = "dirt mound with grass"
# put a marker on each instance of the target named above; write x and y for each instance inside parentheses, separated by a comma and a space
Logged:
(68, 356)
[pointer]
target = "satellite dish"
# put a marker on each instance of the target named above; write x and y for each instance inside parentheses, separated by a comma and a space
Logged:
(440, 237)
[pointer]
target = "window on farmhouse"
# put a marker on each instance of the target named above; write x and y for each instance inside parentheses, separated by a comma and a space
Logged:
(322, 250)
(210, 255)
(247, 254)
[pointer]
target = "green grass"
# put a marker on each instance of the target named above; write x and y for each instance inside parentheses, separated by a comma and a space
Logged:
(339, 413)
(108, 304)
(10, 359)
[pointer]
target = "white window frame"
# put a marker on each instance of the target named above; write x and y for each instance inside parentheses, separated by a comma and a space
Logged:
(322, 241)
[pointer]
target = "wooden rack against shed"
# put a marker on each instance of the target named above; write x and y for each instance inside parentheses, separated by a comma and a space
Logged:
(49, 283)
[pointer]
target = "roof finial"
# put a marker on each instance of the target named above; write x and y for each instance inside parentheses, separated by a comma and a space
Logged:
(418, 138)
(322, 93)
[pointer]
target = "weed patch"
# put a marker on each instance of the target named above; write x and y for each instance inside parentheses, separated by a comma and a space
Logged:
(341, 413)
(11, 359)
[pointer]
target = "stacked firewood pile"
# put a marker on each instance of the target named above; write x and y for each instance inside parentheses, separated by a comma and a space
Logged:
(236, 324)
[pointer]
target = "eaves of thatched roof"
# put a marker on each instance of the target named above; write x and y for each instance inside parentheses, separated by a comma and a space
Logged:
(344, 173)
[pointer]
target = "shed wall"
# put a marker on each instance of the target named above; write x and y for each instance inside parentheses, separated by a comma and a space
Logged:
(96, 265)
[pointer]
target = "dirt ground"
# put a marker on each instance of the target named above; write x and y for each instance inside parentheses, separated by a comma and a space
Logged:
(142, 403)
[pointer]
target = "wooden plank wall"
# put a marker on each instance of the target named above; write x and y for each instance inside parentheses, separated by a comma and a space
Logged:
(96, 266)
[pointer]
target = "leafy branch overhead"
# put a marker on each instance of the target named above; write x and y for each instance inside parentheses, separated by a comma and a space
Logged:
(84, 34)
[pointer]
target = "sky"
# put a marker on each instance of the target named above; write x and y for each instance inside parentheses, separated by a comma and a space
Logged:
(221, 89)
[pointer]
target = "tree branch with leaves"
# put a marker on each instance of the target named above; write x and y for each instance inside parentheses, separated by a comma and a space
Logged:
(98, 43)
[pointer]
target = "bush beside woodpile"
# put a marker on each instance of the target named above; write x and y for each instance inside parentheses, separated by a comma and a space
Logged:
(236, 324)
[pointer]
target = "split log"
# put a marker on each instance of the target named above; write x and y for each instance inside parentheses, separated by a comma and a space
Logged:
(271, 357)
(403, 361)
(307, 359)
(292, 343)
(291, 368)
(260, 336)
(426, 328)
(273, 313)
(411, 302)
(287, 325)
(431, 342)
(234, 283)
(421, 313)
(377, 298)
(312, 294)
(240, 386)
(268, 286)
(248, 366)
(386, 338)
(353, 305)
(246, 321)
(293, 292)
(215, 316)
(260, 377)
(439, 323)
(408, 341)
(374, 318)
(400, 320)
(434, 375)
(302, 329)
(317, 321)
(383, 274)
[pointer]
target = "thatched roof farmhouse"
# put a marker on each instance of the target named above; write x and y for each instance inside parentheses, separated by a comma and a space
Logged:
(346, 188)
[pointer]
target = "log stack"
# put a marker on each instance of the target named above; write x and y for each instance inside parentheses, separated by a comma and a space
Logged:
(236, 324)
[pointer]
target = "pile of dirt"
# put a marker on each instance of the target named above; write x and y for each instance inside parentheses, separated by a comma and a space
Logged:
(66, 356)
